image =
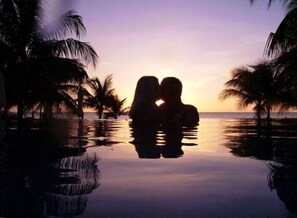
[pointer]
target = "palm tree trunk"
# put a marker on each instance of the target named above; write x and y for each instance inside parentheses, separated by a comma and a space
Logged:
(20, 110)
(268, 115)
(100, 112)
(268, 109)
(48, 112)
(258, 111)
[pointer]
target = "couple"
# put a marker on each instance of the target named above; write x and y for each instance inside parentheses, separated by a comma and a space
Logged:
(144, 109)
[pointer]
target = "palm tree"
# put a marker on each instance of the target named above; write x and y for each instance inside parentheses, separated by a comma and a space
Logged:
(116, 106)
(253, 85)
(100, 94)
(33, 50)
(53, 98)
(284, 39)
(268, 86)
(285, 2)
(285, 67)
(242, 88)
(282, 46)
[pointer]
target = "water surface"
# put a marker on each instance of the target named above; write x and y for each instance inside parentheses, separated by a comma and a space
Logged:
(221, 168)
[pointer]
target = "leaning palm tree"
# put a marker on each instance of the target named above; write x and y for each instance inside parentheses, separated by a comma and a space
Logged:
(285, 67)
(99, 96)
(282, 46)
(253, 85)
(284, 39)
(116, 106)
(26, 38)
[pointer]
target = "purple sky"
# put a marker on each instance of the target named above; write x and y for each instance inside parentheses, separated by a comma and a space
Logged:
(197, 41)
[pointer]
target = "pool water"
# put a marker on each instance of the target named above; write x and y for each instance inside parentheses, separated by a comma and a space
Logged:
(109, 168)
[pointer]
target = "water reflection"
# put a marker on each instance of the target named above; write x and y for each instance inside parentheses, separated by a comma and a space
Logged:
(102, 132)
(45, 171)
(276, 144)
(283, 178)
(156, 141)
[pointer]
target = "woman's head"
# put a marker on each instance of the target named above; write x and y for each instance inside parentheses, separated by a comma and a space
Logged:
(147, 88)
(147, 91)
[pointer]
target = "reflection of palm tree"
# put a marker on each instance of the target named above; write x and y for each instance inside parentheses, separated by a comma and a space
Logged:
(40, 175)
(31, 51)
(100, 94)
(284, 179)
(246, 139)
(65, 195)
(255, 85)
(61, 187)
(105, 132)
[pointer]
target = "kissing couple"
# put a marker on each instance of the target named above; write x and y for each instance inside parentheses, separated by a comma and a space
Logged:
(172, 111)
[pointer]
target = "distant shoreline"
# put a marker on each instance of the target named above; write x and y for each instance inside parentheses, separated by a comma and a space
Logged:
(203, 115)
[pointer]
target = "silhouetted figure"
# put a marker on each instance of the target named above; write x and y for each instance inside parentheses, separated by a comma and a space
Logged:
(145, 141)
(144, 109)
(173, 136)
(153, 142)
(173, 111)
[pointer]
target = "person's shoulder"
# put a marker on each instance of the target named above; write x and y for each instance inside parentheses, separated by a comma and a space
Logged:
(189, 107)
(191, 115)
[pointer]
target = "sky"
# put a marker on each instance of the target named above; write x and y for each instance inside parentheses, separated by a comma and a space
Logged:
(197, 41)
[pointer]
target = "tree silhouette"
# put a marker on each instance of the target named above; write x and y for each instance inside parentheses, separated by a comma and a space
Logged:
(116, 106)
(253, 85)
(282, 46)
(34, 50)
(100, 94)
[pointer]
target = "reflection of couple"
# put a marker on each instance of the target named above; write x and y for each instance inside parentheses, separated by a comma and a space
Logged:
(145, 111)
(152, 142)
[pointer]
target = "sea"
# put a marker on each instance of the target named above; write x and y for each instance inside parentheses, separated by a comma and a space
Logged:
(216, 115)
(227, 166)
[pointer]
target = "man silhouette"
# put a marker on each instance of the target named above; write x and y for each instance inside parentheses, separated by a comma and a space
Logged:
(173, 111)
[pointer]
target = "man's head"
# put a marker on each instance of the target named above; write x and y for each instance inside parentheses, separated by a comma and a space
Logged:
(171, 89)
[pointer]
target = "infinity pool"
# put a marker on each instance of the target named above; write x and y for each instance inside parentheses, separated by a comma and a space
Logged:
(221, 168)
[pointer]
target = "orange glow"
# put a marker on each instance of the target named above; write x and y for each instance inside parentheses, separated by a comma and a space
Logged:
(159, 102)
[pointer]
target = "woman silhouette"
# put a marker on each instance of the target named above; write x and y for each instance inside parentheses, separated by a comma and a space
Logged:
(144, 109)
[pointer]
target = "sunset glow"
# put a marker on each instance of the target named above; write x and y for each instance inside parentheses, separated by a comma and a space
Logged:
(197, 41)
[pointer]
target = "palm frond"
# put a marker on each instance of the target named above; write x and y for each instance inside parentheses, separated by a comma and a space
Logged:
(285, 36)
(75, 49)
(69, 23)
(284, 2)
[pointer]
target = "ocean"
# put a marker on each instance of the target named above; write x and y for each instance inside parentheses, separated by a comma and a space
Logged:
(215, 115)
(227, 166)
